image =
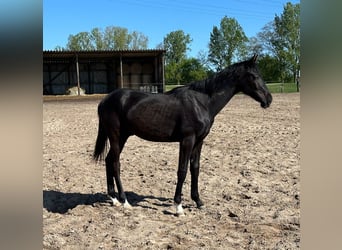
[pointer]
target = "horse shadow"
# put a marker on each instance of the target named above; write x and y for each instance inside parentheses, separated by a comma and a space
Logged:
(59, 202)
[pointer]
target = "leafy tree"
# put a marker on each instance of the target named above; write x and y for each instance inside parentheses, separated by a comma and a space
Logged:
(176, 44)
(266, 37)
(172, 73)
(116, 38)
(287, 44)
(80, 41)
(217, 49)
(202, 58)
(186, 71)
(97, 38)
(59, 48)
(192, 70)
(254, 46)
(281, 39)
(227, 42)
(138, 40)
(269, 68)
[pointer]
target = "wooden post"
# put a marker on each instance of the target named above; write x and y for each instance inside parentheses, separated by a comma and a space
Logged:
(163, 71)
(297, 80)
(121, 73)
(50, 85)
(156, 74)
(78, 76)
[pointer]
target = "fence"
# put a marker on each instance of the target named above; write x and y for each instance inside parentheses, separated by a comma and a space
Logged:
(282, 87)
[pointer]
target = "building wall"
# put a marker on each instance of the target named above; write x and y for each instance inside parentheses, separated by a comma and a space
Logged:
(102, 74)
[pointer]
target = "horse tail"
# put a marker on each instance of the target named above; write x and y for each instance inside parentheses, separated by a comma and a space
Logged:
(101, 140)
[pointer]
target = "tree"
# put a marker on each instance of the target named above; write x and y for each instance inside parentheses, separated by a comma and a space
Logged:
(138, 40)
(287, 44)
(192, 70)
(172, 73)
(59, 48)
(254, 47)
(226, 43)
(186, 71)
(217, 49)
(269, 68)
(281, 39)
(176, 44)
(80, 41)
(116, 38)
(97, 38)
(266, 37)
(202, 57)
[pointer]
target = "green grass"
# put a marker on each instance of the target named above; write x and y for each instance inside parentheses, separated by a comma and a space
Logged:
(282, 87)
(169, 87)
(273, 87)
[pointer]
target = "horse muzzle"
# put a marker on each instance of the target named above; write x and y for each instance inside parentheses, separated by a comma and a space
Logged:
(267, 102)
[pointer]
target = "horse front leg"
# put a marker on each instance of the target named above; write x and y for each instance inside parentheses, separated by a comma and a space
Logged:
(194, 169)
(121, 192)
(185, 149)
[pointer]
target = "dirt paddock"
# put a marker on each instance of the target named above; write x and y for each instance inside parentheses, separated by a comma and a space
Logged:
(249, 181)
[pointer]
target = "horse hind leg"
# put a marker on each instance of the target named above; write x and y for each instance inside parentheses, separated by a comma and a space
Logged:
(110, 179)
(121, 192)
(115, 150)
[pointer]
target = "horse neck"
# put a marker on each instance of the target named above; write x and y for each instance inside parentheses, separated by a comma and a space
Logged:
(221, 94)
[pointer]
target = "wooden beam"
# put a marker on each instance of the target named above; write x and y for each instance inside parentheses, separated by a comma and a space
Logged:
(163, 71)
(78, 76)
(121, 73)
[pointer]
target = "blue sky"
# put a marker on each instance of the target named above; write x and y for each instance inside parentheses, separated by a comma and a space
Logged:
(155, 18)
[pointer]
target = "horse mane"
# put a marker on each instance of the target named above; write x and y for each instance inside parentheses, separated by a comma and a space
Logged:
(214, 83)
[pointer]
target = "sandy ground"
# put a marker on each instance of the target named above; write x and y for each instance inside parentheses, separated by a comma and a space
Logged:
(249, 182)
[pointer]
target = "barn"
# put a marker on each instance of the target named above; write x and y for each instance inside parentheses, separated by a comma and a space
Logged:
(99, 72)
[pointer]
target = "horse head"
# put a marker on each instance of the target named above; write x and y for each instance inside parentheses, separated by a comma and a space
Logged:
(251, 83)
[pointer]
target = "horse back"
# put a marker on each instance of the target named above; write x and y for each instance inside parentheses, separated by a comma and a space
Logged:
(156, 117)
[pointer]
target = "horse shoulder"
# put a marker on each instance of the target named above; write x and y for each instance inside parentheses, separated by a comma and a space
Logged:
(196, 115)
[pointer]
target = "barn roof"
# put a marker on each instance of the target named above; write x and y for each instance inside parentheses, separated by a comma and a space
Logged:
(102, 53)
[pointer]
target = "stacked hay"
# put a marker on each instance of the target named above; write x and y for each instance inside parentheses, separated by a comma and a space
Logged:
(74, 91)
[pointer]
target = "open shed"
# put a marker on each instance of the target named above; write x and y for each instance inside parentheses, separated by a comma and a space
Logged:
(99, 72)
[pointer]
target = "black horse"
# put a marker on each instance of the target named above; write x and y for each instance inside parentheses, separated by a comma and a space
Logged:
(184, 114)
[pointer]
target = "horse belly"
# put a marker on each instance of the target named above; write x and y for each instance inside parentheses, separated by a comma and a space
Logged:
(154, 122)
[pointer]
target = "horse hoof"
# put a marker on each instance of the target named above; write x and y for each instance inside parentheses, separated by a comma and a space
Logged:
(179, 210)
(201, 207)
(115, 202)
(199, 204)
(127, 205)
(180, 214)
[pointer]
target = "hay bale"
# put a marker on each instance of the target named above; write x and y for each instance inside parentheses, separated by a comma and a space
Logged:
(74, 91)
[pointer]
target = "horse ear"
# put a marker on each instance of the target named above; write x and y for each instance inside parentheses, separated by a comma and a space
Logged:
(251, 62)
(254, 58)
